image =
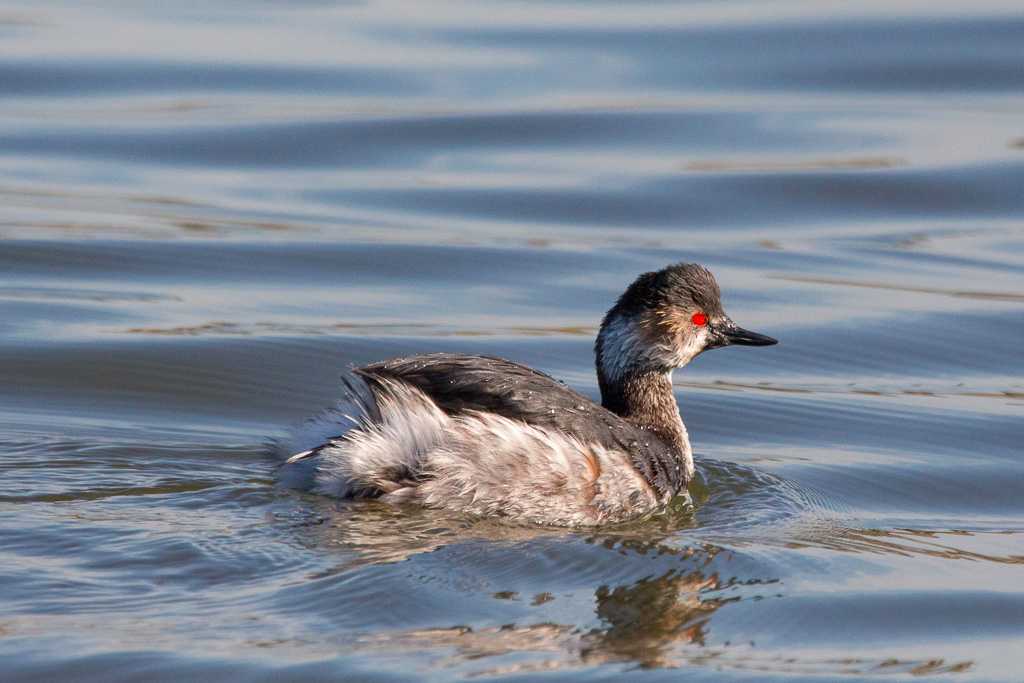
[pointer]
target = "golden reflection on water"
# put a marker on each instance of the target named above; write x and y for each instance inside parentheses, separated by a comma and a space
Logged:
(563, 647)
(852, 389)
(767, 166)
(221, 327)
(960, 294)
(907, 542)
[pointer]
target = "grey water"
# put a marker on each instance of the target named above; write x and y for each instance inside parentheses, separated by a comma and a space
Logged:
(208, 211)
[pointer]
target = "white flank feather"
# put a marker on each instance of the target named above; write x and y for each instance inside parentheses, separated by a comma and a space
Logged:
(378, 456)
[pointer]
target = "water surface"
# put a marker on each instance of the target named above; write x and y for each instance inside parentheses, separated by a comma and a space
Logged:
(207, 214)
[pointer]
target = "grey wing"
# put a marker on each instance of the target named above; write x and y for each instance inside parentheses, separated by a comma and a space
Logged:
(459, 383)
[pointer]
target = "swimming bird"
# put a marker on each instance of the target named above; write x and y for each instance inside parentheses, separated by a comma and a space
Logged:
(487, 436)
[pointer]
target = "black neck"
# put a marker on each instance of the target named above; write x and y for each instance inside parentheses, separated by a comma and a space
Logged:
(645, 398)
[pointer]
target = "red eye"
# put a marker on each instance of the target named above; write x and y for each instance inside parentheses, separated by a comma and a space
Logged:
(699, 319)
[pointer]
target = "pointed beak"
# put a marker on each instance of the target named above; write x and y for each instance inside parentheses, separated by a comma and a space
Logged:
(728, 333)
(738, 335)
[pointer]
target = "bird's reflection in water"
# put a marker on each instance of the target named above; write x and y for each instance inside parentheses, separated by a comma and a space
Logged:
(646, 618)
(639, 621)
(643, 623)
(654, 591)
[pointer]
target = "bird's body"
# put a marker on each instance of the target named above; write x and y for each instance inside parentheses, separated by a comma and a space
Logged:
(487, 436)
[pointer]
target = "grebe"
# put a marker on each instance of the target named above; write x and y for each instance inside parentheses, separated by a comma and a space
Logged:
(487, 436)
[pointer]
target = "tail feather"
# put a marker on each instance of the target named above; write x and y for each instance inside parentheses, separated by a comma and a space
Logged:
(393, 427)
(356, 407)
(361, 395)
(382, 455)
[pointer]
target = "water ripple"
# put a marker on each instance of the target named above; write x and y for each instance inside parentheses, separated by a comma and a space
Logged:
(209, 212)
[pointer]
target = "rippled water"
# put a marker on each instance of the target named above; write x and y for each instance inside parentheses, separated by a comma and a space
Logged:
(208, 213)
